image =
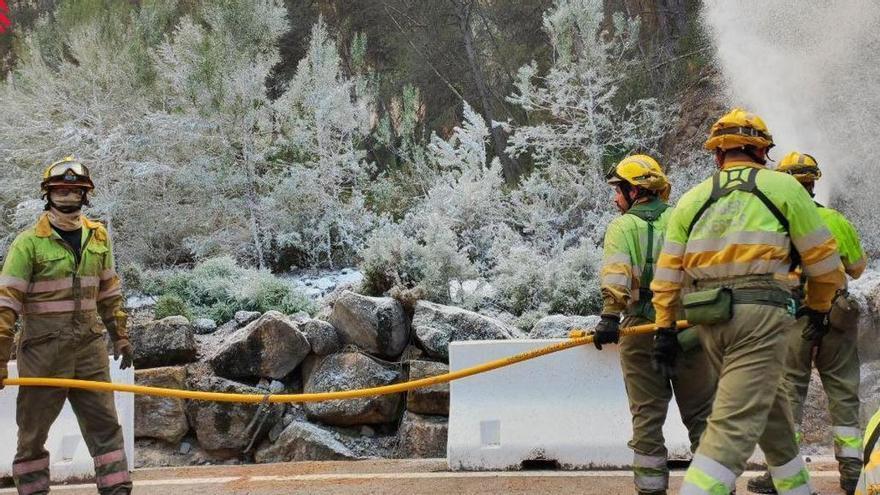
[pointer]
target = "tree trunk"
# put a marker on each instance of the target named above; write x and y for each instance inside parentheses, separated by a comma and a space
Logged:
(252, 201)
(510, 166)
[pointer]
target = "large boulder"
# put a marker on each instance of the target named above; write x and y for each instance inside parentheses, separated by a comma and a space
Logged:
(436, 326)
(422, 436)
(377, 325)
(224, 428)
(558, 326)
(349, 371)
(303, 441)
(321, 336)
(271, 346)
(167, 342)
(163, 418)
(428, 400)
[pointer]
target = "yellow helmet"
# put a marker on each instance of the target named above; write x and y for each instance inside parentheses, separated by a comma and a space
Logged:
(67, 172)
(642, 171)
(802, 166)
(737, 129)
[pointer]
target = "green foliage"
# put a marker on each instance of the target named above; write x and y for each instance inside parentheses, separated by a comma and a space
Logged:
(171, 305)
(218, 287)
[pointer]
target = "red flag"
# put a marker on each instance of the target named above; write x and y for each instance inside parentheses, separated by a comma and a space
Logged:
(4, 16)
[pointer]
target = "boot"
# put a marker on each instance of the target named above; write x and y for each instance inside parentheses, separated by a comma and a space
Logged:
(762, 484)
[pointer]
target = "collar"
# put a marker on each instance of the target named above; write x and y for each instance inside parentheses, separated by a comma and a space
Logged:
(730, 165)
(44, 229)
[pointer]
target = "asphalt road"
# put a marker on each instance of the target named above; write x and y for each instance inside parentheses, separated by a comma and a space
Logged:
(407, 477)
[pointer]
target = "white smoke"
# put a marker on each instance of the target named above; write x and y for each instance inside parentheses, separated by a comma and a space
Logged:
(811, 69)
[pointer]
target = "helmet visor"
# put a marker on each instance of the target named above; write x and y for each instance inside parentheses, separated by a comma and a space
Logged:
(60, 169)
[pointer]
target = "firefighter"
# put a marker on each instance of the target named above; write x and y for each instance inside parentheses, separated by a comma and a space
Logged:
(869, 480)
(734, 237)
(58, 277)
(835, 354)
(632, 243)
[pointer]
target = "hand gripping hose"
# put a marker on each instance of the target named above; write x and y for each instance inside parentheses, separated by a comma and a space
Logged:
(577, 337)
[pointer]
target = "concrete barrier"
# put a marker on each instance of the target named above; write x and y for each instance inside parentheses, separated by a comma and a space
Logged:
(67, 450)
(569, 408)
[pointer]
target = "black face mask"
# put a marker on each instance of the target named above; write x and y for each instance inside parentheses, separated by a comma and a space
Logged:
(67, 206)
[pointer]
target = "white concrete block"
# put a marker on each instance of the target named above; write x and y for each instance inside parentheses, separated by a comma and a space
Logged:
(569, 407)
(67, 450)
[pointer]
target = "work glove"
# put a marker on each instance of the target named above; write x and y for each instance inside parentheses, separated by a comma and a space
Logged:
(818, 324)
(666, 349)
(122, 348)
(607, 331)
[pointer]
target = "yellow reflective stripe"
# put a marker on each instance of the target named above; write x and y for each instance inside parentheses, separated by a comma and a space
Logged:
(108, 274)
(16, 283)
(61, 284)
(116, 291)
(668, 275)
(812, 240)
(776, 239)
(791, 478)
(673, 248)
(622, 258)
(847, 442)
(615, 279)
(13, 304)
(827, 265)
(756, 267)
(707, 476)
(67, 306)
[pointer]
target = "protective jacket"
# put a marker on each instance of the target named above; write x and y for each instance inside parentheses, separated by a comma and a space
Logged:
(869, 481)
(42, 283)
(848, 243)
(632, 245)
(740, 233)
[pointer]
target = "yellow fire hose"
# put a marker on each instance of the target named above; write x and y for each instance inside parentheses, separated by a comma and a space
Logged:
(577, 338)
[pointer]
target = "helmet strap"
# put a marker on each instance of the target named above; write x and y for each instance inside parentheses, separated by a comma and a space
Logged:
(750, 150)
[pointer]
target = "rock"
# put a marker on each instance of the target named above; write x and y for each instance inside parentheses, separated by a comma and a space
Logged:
(245, 317)
(271, 347)
(276, 387)
(325, 284)
(300, 317)
(436, 326)
(558, 326)
(348, 371)
(322, 337)
(203, 326)
(377, 325)
(869, 389)
(221, 427)
(160, 417)
(167, 342)
(303, 441)
(422, 436)
(429, 400)
(366, 431)
(185, 448)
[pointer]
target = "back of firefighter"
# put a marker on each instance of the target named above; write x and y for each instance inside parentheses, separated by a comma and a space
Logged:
(58, 277)
(835, 354)
(869, 480)
(632, 243)
(732, 236)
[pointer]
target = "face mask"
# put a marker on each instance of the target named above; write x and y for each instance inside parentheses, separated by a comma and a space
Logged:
(66, 202)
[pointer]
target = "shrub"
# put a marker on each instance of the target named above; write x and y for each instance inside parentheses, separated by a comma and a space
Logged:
(171, 305)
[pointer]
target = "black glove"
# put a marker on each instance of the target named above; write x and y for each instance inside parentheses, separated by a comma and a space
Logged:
(4, 374)
(122, 348)
(607, 331)
(818, 324)
(665, 351)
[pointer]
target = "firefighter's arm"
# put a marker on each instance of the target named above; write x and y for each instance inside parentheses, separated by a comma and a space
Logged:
(110, 302)
(669, 274)
(820, 257)
(851, 252)
(14, 280)
(617, 270)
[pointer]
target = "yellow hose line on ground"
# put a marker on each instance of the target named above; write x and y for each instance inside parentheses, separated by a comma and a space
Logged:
(579, 337)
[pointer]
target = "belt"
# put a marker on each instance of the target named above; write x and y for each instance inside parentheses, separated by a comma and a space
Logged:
(765, 297)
